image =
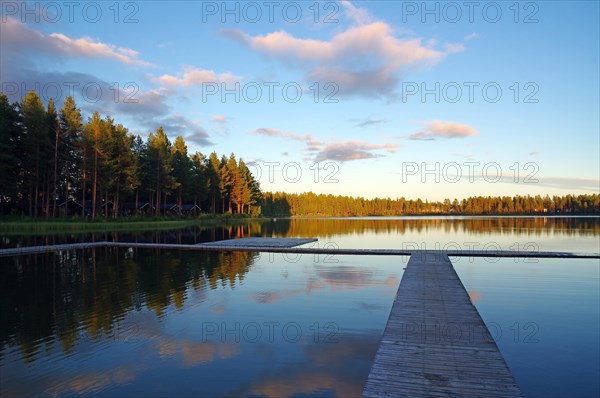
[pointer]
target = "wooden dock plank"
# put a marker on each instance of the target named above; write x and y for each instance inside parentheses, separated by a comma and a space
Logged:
(254, 242)
(435, 342)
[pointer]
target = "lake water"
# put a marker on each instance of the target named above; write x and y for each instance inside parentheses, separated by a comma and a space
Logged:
(108, 322)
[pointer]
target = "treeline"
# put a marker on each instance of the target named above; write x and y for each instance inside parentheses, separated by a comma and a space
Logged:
(54, 163)
(311, 204)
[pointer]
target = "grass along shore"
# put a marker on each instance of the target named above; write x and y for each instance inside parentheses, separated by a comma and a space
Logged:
(32, 225)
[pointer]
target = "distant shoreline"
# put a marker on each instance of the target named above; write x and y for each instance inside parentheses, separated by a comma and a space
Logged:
(14, 225)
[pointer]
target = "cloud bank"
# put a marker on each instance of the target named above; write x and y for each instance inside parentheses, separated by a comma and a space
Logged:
(367, 59)
(17, 37)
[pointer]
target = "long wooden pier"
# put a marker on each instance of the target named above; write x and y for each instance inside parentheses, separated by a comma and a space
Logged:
(435, 343)
(287, 247)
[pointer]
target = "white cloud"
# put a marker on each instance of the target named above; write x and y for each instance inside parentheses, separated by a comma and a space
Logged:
(17, 38)
(193, 76)
(441, 129)
(91, 48)
(278, 133)
(365, 59)
(472, 36)
(359, 15)
(454, 47)
(219, 119)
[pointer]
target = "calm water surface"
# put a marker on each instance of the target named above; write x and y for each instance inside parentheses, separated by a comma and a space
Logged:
(108, 322)
(545, 317)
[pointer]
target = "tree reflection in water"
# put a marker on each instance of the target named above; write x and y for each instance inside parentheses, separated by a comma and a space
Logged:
(59, 296)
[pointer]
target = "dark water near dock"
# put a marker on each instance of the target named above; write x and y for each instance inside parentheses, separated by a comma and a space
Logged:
(123, 322)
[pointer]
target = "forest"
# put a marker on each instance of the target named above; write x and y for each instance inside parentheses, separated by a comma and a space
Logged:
(311, 204)
(53, 163)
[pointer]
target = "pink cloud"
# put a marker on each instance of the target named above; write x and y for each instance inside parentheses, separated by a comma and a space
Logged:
(343, 151)
(278, 133)
(17, 37)
(219, 119)
(366, 59)
(194, 76)
(335, 150)
(440, 129)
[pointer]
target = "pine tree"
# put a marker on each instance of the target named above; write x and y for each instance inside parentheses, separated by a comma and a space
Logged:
(70, 158)
(93, 132)
(226, 183)
(199, 178)
(251, 194)
(182, 169)
(215, 185)
(158, 151)
(236, 185)
(52, 165)
(140, 179)
(120, 165)
(35, 146)
(10, 131)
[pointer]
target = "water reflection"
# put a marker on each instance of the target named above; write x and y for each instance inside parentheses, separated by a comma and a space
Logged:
(571, 226)
(108, 322)
(335, 370)
(328, 228)
(59, 296)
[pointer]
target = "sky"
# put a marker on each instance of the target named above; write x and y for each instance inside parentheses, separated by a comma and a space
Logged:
(426, 100)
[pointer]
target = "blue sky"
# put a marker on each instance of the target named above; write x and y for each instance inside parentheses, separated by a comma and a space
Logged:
(408, 101)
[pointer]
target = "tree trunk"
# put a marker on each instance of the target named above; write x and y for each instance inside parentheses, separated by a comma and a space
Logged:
(66, 185)
(84, 178)
(30, 197)
(95, 186)
(179, 201)
(55, 192)
(117, 199)
(47, 210)
(158, 189)
(37, 177)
